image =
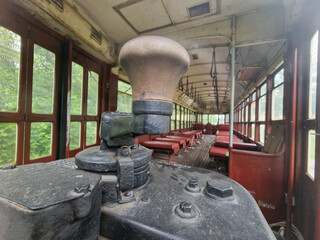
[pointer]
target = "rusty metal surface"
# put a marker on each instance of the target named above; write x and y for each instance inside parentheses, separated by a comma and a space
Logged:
(40, 185)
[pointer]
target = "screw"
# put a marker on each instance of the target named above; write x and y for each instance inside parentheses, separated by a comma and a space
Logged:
(125, 151)
(193, 183)
(185, 207)
(219, 188)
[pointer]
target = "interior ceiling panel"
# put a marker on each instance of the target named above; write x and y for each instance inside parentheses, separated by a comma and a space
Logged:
(144, 15)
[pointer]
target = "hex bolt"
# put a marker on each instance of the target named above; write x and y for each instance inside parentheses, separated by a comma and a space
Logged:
(128, 194)
(185, 207)
(125, 151)
(193, 183)
(219, 188)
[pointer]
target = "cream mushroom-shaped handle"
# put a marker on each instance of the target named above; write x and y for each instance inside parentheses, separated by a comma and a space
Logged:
(154, 65)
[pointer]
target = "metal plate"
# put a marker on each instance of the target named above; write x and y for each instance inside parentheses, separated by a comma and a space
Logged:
(38, 186)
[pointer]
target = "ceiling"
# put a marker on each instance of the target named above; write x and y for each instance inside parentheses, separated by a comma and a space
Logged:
(259, 38)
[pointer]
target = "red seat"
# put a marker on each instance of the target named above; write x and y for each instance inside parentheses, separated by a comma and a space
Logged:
(168, 147)
(181, 142)
(179, 134)
(219, 152)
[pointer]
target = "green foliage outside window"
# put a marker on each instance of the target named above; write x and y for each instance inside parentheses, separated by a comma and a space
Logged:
(40, 139)
(75, 134)
(8, 136)
(93, 89)
(76, 89)
(91, 133)
(43, 80)
(10, 44)
(124, 97)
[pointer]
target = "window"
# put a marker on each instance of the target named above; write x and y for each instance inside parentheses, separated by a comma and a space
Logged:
(262, 100)
(173, 117)
(277, 97)
(28, 105)
(124, 97)
(311, 153)
(178, 123)
(10, 48)
(311, 120)
(261, 133)
(213, 119)
(262, 103)
(253, 108)
(84, 106)
(253, 128)
(313, 76)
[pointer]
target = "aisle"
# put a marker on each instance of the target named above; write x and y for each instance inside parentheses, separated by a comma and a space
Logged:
(197, 157)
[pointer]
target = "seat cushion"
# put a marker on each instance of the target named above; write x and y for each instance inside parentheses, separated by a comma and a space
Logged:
(162, 145)
(219, 152)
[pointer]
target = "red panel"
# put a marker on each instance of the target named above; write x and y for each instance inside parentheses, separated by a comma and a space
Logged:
(237, 145)
(263, 175)
(142, 139)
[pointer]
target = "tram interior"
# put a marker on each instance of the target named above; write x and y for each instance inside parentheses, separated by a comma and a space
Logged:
(247, 107)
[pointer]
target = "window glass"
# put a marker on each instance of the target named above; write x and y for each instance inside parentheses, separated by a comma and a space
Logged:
(124, 87)
(253, 111)
(40, 139)
(213, 119)
(278, 78)
(253, 128)
(263, 89)
(10, 44)
(277, 103)
(221, 118)
(173, 115)
(227, 118)
(253, 96)
(8, 146)
(93, 89)
(262, 108)
(311, 153)
(91, 133)
(75, 135)
(247, 114)
(172, 125)
(124, 103)
(261, 133)
(313, 76)
(76, 89)
(43, 80)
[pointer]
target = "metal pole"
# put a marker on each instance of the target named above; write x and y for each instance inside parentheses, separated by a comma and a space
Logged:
(233, 32)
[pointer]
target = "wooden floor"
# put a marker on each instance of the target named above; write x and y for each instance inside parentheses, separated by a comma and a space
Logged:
(197, 157)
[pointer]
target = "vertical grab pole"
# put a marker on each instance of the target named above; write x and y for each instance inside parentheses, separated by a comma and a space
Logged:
(233, 40)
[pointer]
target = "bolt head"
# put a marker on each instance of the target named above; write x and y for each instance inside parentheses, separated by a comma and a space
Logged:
(193, 183)
(219, 188)
(185, 207)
